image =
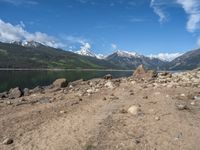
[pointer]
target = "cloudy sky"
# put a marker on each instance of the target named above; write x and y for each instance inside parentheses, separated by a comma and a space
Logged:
(145, 26)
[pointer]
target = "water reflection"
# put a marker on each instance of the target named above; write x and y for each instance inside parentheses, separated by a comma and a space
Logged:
(31, 79)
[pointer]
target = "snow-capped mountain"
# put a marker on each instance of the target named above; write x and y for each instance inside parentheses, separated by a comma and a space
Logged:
(130, 60)
(32, 44)
(121, 53)
(100, 56)
(85, 50)
(166, 56)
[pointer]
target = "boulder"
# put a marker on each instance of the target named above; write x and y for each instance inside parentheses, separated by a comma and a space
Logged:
(109, 85)
(26, 92)
(142, 73)
(108, 77)
(15, 93)
(4, 95)
(60, 83)
(37, 89)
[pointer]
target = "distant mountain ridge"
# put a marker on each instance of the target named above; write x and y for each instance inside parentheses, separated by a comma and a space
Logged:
(16, 55)
(36, 55)
(130, 60)
(187, 61)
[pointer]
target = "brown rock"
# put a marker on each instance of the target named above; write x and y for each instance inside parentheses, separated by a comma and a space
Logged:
(60, 83)
(142, 73)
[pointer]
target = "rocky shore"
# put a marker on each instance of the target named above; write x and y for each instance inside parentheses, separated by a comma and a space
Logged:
(148, 110)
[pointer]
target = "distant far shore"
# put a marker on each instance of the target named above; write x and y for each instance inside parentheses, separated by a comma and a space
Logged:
(57, 69)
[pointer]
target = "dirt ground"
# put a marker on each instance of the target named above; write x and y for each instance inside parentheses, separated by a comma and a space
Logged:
(66, 119)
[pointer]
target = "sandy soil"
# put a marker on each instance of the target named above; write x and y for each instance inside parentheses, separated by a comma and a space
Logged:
(70, 119)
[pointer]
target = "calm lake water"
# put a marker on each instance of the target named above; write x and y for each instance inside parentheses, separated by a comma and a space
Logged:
(30, 79)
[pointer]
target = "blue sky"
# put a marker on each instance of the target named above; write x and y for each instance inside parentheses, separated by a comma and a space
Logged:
(144, 26)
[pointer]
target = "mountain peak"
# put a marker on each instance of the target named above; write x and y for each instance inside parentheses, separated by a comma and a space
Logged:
(85, 50)
(32, 44)
(127, 54)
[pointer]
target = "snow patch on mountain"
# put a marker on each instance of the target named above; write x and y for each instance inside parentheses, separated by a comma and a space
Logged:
(27, 43)
(127, 54)
(100, 56)
(166, 56)
(85, 50)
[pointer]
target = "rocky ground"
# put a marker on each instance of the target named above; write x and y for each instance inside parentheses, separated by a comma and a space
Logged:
(143, 112)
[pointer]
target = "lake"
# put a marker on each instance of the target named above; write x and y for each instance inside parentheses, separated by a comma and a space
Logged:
(32, 78)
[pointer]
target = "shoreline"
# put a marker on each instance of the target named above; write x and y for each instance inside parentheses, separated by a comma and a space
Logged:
(57, 69)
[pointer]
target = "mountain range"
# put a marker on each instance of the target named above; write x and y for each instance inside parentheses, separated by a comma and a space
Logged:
(35, 55)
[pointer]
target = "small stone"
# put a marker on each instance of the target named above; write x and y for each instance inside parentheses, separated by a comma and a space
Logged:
(131, 93)
(134, 110)
(137, 141)
(157, 118)
(183, 95)
(90, 91)
(62, 112)
(104, 98)
(181, 106)
(123, 111)
(193, 103)
(8, 103)
(145, 97)
(8, 141)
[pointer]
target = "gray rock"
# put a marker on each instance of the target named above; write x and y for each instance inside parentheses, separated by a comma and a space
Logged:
(109, 85)
(26, 92)
(181, 106)
(37, 89)
(60, 83)
(108, 77)
(4, 95)
(197, 98)
(14, 93)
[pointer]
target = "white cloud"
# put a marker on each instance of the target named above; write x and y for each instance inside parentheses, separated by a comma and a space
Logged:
(156, 5)
(166, 56)
(114, 46)
(85, 46)
(10, 33)
(20, 2)
(192, 8)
